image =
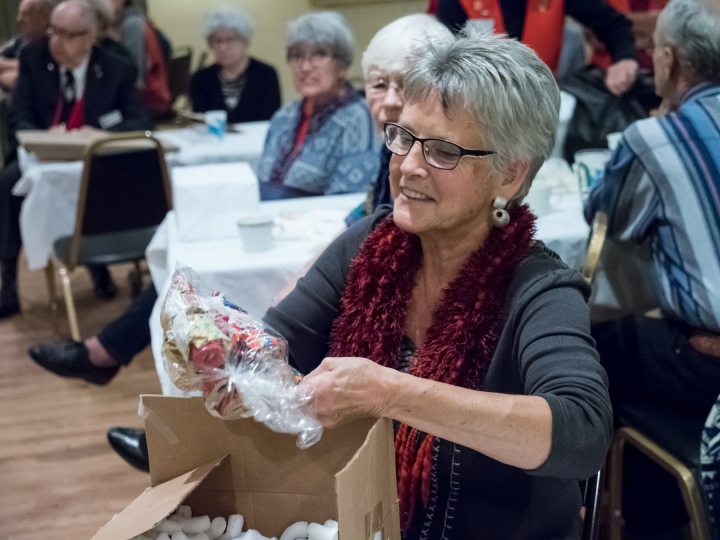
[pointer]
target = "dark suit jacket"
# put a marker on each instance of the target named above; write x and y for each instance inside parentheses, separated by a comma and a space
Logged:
(109, 88)
(259, 100)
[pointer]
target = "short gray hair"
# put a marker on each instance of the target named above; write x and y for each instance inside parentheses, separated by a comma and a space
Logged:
(324, 29)
(229, 18)
(104, 15)
(389, 48)
(692, 29)
(507, 91)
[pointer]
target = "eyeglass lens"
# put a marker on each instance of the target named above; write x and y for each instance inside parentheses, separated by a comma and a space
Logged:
(440, 154)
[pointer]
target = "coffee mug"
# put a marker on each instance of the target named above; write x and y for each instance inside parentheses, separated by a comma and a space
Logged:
(613, 140)
(216, 122)
(539, 199)
(589, 167)
(256, 232)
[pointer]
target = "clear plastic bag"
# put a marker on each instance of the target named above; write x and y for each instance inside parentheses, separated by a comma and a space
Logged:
(239, 363)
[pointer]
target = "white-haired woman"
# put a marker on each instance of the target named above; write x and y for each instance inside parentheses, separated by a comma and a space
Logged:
(325, 142)
(244, 87)
(384, 63)
(447, 316)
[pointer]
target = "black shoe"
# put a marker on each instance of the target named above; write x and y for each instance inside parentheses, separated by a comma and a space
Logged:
(9, 307)
(71, 359)
(131, 445)
(102, 282)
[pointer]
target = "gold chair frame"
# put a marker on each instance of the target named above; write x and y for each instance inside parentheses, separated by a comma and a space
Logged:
(699, 527)
(64, 270)
(598, 233)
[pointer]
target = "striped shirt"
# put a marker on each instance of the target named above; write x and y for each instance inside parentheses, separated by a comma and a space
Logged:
(662, 187)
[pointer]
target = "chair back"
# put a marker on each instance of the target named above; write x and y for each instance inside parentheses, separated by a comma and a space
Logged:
(179, 72)
(591, 502)
(7, 145)
(125, 186)
(598, 233)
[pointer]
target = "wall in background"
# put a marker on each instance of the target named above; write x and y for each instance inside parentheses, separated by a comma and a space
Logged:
(8, 9)
(181, 20)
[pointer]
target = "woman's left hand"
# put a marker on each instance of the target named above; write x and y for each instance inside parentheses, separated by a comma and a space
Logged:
(345, 389)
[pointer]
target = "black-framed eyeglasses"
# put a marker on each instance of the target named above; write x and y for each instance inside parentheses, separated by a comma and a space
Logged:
(438, 153)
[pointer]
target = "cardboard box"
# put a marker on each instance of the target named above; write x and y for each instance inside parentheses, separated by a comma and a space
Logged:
(69, 145)
(221, 468)
(208, 200)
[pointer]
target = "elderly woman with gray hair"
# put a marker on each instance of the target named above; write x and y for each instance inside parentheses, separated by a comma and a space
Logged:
(244, 87)
(447, 316)
(384, 63)
(325, 142)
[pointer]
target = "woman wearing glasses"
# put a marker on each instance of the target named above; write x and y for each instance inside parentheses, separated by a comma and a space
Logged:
(244, 87)
(448, 317)
(325, 142)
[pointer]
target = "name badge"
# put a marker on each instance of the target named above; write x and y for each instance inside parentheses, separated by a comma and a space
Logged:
(481, 26)
(111, 119)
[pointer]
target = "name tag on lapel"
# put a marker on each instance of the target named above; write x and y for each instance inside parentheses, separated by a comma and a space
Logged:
(111, 119)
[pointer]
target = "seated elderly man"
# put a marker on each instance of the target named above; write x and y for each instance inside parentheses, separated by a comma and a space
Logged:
(323, 143)
(661, 189)
(33, 20)
(65, 83)
(245, 87)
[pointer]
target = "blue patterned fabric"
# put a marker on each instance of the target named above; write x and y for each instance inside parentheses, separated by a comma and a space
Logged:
(710, 465)
(662, 186)
(341, 157)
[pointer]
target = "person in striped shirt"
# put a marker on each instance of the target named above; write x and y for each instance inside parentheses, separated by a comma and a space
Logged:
(662, 188)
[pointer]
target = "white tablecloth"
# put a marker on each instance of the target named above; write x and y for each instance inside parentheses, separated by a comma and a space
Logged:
(251, 280)
(51, 189)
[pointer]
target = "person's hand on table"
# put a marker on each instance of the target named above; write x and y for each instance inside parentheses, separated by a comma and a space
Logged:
(345, 389)
(621, 76)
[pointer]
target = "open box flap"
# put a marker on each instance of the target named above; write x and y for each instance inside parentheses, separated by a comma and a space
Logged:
(367, 488)
(155, 504)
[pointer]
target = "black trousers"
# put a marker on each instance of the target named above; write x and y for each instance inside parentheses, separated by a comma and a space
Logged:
(652, 361)
(127, 336)
(10, 205)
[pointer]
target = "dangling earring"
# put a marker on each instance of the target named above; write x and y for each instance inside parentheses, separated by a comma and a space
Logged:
(500, 216)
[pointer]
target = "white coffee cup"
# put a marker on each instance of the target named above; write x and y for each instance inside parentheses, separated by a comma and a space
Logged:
(216, 122)
(256, 232)
(613, 139)
(589, 167)
(539, 199)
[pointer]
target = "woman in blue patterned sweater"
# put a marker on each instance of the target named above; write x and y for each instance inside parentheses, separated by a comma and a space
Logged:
(325, 142)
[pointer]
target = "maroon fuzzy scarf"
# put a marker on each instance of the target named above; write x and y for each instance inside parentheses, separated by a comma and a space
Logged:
(461, 340)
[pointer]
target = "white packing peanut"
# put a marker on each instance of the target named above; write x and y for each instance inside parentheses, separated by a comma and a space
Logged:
(252, 534)
(200, 536)
(179, 536)
(295, 531)
(184, 511)
(320, 532)
(217, 528)
(153, 535)
(332, 524)
(168, 526)
(234, 527)
(162, 536)
(195, 525)
(175, 517)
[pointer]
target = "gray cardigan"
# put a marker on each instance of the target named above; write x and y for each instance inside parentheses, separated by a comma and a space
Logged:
(544, 349)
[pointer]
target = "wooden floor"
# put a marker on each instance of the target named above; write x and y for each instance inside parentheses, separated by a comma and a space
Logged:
(59, 479)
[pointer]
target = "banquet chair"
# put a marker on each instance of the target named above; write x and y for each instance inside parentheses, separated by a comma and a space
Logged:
(672, 440)
(598, 233)
(125, 193)
(179, 72)
(591, 506)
